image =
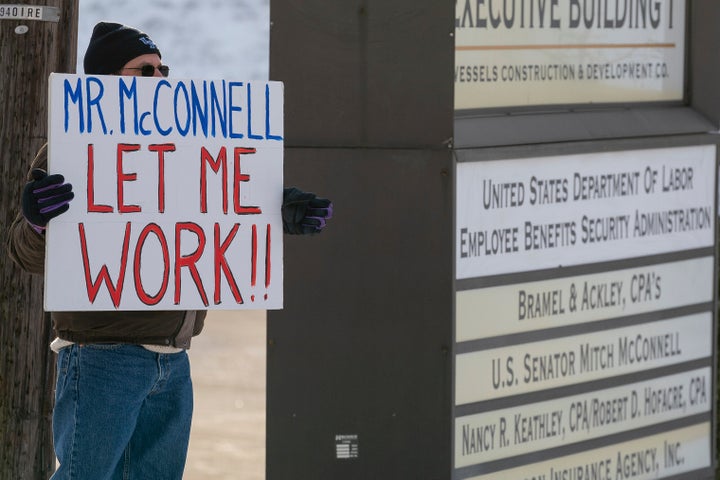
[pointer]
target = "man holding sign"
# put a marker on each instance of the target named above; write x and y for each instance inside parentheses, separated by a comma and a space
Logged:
(124, 396)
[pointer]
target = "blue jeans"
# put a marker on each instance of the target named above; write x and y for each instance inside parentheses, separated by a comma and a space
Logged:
(121, 413)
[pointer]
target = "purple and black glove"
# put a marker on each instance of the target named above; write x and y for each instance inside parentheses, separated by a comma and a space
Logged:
(303, 213)
(44, 198)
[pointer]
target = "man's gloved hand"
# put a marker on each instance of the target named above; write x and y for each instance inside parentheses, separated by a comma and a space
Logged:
(45, 197)
(303, 213)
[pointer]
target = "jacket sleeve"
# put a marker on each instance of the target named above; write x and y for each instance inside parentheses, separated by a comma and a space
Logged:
(25, 246)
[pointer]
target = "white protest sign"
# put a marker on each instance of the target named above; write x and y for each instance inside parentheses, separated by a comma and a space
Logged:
(178, 190)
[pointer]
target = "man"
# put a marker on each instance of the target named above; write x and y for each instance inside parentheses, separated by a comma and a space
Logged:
(123, 401)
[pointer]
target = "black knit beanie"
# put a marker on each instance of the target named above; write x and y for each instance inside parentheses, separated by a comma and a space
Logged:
(112, 45)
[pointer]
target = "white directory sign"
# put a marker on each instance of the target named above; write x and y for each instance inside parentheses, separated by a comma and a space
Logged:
(585, 315)
(531, 306)
(513, 431)
(655, 456)
(531, 367)
(178, 190)
(531, 214)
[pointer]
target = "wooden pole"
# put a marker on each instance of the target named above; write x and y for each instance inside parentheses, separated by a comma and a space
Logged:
(30, 50)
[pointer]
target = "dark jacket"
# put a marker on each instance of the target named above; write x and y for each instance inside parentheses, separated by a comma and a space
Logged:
(27, 248)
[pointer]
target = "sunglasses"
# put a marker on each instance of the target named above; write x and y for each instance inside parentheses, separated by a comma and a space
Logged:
(149, 70)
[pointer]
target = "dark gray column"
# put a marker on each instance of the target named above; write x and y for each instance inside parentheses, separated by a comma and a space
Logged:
(704, 72)
(359, 359)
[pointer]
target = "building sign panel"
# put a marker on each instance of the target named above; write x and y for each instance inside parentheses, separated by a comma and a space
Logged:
(531, 306)
(528, 428)
(656, 456)
(519, 53)
(501, 372)
(531, 214)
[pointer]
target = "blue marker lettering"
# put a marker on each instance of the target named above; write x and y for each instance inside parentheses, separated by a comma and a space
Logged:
(182, 88)
(76, 97)
(249, 116)
(95, 101)
(163, 131)
(233, 108)
(199, 112)
(144, 130)
(268, 136)
(131, 94)
(216, 107)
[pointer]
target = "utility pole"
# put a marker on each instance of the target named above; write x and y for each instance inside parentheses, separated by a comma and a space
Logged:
(35, 40)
